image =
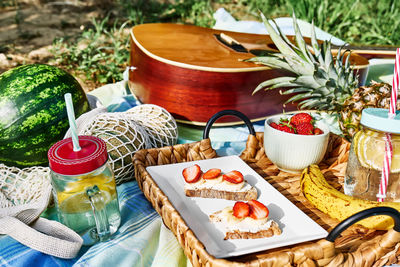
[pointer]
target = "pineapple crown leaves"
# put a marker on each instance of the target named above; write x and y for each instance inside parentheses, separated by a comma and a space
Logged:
(318, 79)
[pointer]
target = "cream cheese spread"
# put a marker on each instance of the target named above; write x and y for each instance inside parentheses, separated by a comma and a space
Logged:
(218, 184)
(228, 222)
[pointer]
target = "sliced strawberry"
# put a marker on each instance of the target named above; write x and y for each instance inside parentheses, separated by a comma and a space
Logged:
(257, 209)
(235, 177)
(241, 209)
(300, 118)
(212, 173)
(305, 128)
(318, 131)
(192, 174)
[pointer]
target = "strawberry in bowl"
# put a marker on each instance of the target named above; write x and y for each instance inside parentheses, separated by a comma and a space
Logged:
(300, 123)
(294, 142)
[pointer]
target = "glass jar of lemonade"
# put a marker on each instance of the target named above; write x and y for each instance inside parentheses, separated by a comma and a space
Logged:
(366, 156)
(84, 188)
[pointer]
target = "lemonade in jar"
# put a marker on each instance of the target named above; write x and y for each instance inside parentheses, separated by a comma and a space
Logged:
(84, 188)
(366, 156)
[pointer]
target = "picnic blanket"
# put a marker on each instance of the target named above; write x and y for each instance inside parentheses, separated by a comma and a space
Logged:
(142, 239)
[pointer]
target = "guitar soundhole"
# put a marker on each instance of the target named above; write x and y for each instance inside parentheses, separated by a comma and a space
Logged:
(273, 47)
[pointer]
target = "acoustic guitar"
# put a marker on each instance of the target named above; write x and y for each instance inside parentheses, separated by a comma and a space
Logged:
(189, 72)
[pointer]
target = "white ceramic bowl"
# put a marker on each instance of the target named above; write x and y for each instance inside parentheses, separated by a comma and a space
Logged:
(294, 152)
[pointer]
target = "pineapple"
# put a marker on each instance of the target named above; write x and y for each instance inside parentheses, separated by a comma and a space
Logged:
(376, 95)
(319, 80)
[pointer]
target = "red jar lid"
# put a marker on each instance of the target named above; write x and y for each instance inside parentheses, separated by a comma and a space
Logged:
(64, 160)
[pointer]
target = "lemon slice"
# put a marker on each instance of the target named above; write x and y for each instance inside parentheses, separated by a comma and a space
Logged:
(80, 202)
(369, 147)
(74, 199)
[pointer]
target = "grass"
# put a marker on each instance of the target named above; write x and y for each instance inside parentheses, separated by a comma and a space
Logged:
(7, 3)
(102, 51)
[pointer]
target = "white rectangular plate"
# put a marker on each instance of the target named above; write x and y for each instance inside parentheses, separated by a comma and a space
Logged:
(296, 226)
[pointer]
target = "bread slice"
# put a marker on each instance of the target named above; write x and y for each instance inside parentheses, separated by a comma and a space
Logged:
(273, 230)
(225, 220)
(222, 194)
(214, 184)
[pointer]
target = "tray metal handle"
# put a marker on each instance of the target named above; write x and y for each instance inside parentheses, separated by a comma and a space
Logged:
(362, 215)
(230, 112)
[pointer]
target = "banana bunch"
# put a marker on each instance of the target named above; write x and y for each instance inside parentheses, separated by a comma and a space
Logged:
(338, 205)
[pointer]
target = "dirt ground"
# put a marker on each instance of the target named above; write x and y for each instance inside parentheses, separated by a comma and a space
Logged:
(28, 28)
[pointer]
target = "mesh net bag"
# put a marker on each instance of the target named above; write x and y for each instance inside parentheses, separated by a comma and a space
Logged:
(158, 123)
(123, 138)
(24, 195)
(24, 186)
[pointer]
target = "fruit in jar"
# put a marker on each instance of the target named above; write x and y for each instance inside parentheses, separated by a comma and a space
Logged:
(370, 150)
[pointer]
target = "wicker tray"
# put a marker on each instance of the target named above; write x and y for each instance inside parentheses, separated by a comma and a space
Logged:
(356, 246)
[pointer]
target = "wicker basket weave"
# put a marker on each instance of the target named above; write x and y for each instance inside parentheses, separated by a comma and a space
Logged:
(357, 246)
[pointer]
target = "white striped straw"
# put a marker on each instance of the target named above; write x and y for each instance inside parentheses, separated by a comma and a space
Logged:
(72, 123)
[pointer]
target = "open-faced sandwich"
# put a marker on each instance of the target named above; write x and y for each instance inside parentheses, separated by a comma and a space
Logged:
(215, 184)
(245, 221)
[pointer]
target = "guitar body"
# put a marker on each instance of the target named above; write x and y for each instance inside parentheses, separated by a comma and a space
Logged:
(185, 70)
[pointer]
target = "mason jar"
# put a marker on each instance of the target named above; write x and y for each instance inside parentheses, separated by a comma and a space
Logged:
(366, 157)
(84, 188)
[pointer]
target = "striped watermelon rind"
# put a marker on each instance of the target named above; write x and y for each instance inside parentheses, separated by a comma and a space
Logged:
(33, 113)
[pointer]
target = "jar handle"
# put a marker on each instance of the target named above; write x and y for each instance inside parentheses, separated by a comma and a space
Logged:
(100, 215)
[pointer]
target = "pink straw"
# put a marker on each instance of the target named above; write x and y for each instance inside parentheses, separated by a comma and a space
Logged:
(395, 88)
(387, 161)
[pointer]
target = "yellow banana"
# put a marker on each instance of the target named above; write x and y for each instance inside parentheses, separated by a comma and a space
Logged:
(338, 205)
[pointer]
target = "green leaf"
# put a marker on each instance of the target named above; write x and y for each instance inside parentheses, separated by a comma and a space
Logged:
(283, 47)
(300, 40)
(273, 62)
(300, 66)
(306, 80)
(266, 84)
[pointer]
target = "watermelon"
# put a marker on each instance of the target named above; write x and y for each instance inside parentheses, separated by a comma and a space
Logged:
(33, 113)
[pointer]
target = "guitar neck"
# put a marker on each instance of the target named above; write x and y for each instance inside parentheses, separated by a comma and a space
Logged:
(372, 51)
(365, 51)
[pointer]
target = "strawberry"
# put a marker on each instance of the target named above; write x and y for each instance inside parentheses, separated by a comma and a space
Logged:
(274, 125)
(301, 118)
(284, 120)
(257, 209)
(305, 128)
(212, 173)
(318, 131)
(285, 128)
(192, 174)
(234, 177)
(241, 209)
